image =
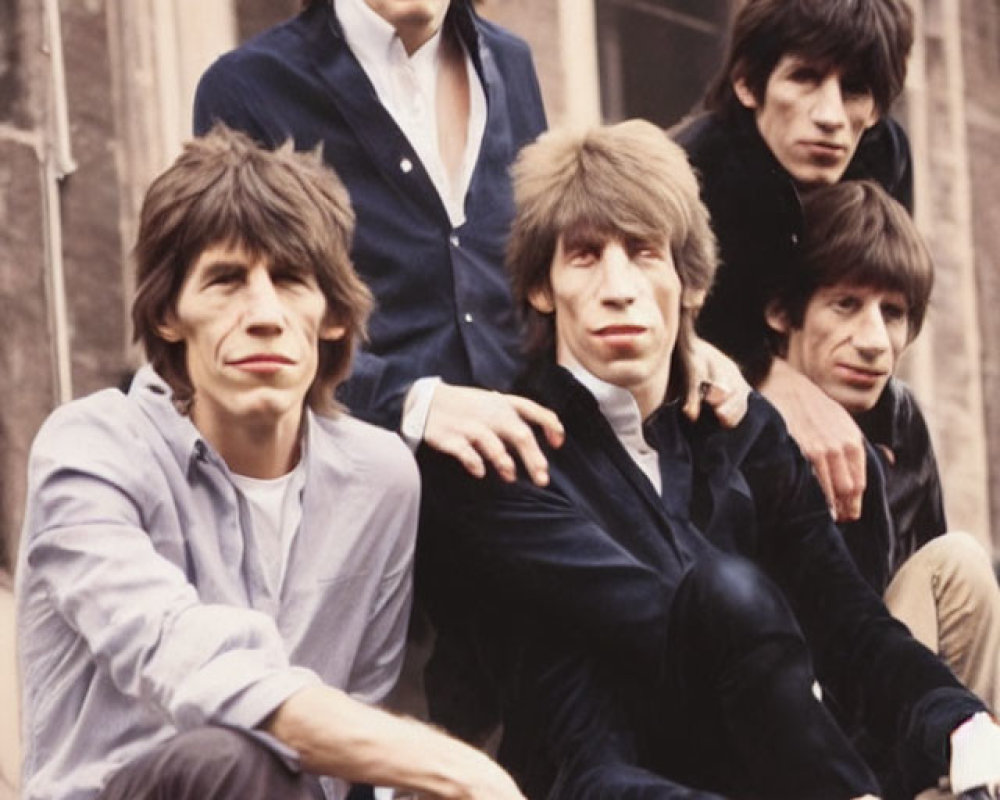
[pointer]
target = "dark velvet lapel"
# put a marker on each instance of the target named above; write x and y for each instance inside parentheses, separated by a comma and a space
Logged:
(608, 479)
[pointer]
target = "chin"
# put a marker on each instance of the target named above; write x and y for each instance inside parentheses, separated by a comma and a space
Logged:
(857, 402)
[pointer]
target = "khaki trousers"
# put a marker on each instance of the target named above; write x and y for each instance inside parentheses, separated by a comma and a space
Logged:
(947, 595)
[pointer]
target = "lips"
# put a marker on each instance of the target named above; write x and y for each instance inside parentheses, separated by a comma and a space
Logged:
(620, 336)
(620, 330)
(861, 375)
(261, 362)
(825, 151)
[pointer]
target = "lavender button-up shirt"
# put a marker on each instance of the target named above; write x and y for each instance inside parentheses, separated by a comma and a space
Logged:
(142, 604)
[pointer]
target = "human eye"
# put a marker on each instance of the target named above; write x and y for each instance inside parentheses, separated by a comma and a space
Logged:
(894, 311)
(854, 86)
(289, 276)
(643, 250)
(805, 73)
(223, 276)
(583, 255)
(292, 276)
(846, 303)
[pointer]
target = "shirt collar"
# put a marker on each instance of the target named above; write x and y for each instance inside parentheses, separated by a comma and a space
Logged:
(374, 41)
(155, 398)
(617, 404)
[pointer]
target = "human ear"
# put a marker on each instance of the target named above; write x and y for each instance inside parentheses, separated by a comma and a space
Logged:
(777, 318)
(693, 299)
(541, 300)
(169, 329)
(873, 119)
(744, 94)
(331, 330)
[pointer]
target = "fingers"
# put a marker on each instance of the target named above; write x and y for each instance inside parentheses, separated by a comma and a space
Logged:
(536, 414)
(826, 434)
(715, 379)
(846, 497)
(482, 428)
(841, 475)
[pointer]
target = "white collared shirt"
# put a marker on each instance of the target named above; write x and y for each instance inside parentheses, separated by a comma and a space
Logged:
(622, 412)
(407, 87)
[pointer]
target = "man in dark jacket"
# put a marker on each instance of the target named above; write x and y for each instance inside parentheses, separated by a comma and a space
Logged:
(802, 100)
(843, 319)
(653, 614)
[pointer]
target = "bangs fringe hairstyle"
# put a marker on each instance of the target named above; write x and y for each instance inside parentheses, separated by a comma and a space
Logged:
(282, 206)
(856, 234)
(869, 39)
(621, 181)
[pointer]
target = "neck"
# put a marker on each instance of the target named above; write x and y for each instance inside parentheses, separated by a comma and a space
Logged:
(649, 398)
(265, 448)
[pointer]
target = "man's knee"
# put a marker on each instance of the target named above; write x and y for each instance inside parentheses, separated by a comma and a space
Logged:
(735, 594)
(957, 563)
(210, 762)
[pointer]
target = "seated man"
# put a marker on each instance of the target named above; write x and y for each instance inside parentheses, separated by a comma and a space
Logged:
(653, 615)
(215, 569)
(802, 100)
(843, 319)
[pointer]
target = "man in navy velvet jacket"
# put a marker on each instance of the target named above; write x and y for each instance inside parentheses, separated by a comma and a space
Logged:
(653, 616)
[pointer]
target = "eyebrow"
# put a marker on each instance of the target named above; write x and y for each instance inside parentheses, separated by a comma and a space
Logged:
(222, 266)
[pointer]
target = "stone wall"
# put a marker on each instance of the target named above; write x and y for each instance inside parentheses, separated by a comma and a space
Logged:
(26, 390)
(981, 58)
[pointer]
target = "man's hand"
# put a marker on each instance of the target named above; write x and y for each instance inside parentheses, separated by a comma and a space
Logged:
(825, 433)
(334, 734)
(715, 379)
(476, 426)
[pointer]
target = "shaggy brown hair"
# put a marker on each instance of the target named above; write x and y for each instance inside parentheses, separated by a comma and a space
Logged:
(620, 181)
(855, 234)
(280, 205)
(869, 39)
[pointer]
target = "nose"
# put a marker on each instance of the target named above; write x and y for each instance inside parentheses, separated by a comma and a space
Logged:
(617, 279)
(263, 314)
(871, 337)
(828, 110)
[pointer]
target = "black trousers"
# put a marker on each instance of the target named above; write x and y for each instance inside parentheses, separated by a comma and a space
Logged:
(210, 763)
(732, 713)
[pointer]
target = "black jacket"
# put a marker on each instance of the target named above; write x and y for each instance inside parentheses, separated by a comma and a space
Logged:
(590, 562)
(757, 218)
(912, 482)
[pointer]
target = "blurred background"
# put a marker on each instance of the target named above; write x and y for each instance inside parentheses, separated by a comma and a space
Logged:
(95, 100)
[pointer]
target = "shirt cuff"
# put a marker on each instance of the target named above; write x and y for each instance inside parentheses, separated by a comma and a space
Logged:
(975, 754)
(416, 407)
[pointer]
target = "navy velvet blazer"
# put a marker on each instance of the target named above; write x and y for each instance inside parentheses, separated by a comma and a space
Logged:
(591, 561)
(443, 303)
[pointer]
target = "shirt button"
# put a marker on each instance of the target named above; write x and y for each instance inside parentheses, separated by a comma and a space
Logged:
(795, 238)
(455, 241)
(406, 165)
(468, 317)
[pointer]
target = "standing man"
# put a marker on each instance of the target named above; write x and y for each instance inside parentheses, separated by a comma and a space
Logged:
(802, 100)
(420, 106)
(215, 570)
